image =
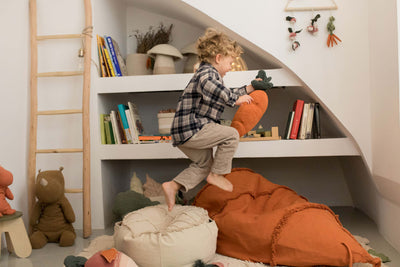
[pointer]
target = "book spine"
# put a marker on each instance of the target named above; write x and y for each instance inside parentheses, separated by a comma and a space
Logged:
(102, 129)
(132, 129)
(108, 134)
(122, 108)
(310, 121)
(136, 118)
(111, 49)
(114, 123)
(303, 123)
(103, 72)
(298, 110)
(121, 62)
(316, 122)
(289, 124)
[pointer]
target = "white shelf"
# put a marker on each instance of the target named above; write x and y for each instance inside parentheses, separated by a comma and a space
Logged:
(177, 82)
(254, 149)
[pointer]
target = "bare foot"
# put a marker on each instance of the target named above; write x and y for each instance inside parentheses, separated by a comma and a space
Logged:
(170, 189)
(220, 181)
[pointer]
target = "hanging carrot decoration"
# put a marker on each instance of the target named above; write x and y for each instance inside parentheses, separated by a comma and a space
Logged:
(332, 38)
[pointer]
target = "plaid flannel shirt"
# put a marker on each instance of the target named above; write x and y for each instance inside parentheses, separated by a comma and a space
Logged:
(202, 102)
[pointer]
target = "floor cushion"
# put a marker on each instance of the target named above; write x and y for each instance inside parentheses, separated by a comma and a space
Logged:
(155, 237)
(264, 222)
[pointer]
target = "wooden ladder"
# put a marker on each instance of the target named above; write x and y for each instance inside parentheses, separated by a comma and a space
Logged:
(34, 113)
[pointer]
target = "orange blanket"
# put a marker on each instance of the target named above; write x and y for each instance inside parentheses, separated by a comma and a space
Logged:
(264, 222)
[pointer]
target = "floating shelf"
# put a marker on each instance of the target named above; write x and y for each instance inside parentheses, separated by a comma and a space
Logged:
(253, 149)
(177, 82)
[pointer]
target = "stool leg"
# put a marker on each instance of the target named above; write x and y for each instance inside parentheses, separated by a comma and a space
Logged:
(17, 238)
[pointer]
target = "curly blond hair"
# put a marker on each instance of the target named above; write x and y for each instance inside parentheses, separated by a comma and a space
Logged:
(214, 42)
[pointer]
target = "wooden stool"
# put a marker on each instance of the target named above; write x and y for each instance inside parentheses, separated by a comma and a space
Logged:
(16, 236)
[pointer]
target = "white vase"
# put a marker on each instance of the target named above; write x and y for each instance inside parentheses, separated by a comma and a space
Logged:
(164, 65)
(136, 64)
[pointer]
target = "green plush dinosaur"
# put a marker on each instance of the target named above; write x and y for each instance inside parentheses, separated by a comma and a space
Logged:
(264, 83)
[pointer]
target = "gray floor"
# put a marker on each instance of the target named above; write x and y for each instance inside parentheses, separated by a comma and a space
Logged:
(52, 255)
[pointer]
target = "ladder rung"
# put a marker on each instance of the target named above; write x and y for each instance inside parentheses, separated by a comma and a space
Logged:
(60, 73)
(60, 150)
(58, 112)
(78, 190)
(59, 36)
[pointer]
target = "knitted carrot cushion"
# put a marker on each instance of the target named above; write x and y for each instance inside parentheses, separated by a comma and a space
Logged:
(248, 115)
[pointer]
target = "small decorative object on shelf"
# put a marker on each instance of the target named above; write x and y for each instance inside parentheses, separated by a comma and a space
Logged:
(140, 63)
(165, 118)
(262, 136)
(313, 27)
(190, 52)
(332, 38)
(293, 33)
(164, 55)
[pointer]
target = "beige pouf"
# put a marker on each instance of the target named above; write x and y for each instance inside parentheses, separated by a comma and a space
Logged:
(154, 237)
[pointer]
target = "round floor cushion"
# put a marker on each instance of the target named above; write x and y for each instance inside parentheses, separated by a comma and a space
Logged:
(155, 237)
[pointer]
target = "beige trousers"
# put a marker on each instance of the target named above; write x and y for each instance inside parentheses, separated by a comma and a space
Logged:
(199, 149)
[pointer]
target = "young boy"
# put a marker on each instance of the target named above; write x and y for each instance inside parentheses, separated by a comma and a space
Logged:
(195, 129)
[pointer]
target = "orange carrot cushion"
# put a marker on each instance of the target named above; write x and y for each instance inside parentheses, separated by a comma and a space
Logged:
(248, 115)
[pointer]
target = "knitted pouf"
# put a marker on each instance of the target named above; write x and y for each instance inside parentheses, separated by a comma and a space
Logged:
(154, 237)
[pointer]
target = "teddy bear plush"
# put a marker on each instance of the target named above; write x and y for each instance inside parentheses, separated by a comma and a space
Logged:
(6, 179)
(52, 216)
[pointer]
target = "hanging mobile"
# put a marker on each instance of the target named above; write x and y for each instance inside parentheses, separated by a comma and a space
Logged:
(313, 28)
(332, 38)
(293, 33)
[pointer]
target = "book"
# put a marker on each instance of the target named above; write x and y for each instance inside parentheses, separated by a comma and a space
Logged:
(132, 127)
(107, 59)
(114, 60)
(303, 123)
(316, 122)
(108, 129)
(289, 125)
(121, 61)
(103, 72)
(102, 129)
(310, 120)
(114, 123)
(298, 110)
(125, 124)
(136, 118)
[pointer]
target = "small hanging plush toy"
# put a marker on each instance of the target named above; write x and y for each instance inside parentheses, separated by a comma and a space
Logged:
(332, 38)
(313, 28)
(293, 33)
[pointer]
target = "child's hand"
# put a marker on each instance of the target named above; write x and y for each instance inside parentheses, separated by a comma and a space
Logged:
(244, 99)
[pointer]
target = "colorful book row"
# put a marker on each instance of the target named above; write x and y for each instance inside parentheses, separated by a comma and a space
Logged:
(303, 121)
(122, 126)
(111, 62)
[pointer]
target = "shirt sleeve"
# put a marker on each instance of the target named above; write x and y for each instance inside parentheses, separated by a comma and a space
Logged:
(214, 88)
(240, 90)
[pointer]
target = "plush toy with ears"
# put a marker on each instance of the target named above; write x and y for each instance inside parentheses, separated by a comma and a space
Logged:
(52, 216)
(6, 179)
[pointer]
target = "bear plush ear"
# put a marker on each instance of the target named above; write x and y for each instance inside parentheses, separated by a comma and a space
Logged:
(248, 115)
(61, 168)
(39, 171)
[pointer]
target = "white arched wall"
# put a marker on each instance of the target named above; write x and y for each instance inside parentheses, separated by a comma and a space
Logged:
(348, 79)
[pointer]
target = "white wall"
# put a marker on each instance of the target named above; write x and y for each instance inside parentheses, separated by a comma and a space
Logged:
(14, 104)
(385, 113)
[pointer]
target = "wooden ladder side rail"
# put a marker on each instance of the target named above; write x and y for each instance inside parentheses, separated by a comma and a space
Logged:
(33, 108)
(87, 215)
